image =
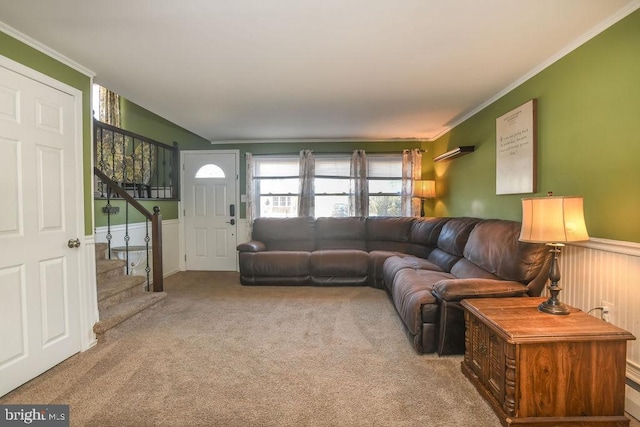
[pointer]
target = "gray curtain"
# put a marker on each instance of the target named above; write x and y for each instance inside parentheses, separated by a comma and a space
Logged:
(109, 107)
(359, 191)
(112, 152)
(306, 193)
(411, 170)
(251, 196)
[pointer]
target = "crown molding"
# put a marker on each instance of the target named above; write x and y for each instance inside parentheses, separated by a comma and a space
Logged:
(602, 26)
(45, 49)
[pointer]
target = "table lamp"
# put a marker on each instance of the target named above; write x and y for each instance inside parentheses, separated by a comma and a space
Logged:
(553, 220)
(424, 189)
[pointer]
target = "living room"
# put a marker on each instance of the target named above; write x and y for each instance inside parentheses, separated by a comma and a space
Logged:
(588, 104)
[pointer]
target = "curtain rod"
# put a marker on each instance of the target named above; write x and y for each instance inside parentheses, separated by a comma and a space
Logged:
(312, 140)
(338, 152)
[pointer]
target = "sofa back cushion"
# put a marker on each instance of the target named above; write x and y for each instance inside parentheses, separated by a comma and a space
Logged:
(341, 233)
(285, 234)
(424, 235)
(389, 233)
(493, 246)
(451, 242)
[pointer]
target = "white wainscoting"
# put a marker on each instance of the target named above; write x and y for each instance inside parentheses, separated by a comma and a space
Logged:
(607, 270)
(137, 231)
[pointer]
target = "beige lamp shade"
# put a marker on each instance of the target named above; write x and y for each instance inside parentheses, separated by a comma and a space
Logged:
(555, 219)
(424, 189)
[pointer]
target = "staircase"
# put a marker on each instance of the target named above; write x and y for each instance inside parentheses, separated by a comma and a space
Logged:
(121, 298)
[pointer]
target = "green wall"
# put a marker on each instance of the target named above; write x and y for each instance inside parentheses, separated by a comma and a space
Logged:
(588, 139)
(143, 122)
(32, 58)
(168, 210)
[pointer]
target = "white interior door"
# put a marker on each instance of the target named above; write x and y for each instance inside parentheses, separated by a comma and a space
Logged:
(39, 272)
(210, 209)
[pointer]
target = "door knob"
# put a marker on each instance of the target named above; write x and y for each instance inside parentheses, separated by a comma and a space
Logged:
(232, 222)
(73, 243)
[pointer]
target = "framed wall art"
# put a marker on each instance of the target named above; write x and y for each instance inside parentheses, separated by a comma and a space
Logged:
(516, 150)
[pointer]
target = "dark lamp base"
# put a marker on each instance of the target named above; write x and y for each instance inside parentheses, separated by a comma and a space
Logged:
(553, 307)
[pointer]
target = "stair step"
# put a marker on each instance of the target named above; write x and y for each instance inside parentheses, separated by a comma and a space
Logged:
(131, 308)
(101, 251)
(118, 289)
(107, 269)
(121, 298)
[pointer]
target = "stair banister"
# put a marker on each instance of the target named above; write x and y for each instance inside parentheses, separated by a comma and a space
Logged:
(156, 250)
(156, 226)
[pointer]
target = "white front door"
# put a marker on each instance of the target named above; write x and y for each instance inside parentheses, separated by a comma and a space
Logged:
(39, 272)
(210, 209)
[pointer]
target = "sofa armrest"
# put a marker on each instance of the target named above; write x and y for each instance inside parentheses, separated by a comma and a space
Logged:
(252, 246)
(459, 289)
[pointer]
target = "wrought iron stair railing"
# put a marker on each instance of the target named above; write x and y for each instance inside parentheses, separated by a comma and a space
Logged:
(145, 168)
(154, 219)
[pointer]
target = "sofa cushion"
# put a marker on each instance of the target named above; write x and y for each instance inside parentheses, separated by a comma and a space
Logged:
(466, 269)
(285, 234)
(393, 265)
(376, 266)
(451, 242)
(411, 291)
(389, 233)
(275, 263)
(274, 268)
(343, 267)
(341, 233)
(493, 246)
(423, 236)
(426, 231)
(454, 235)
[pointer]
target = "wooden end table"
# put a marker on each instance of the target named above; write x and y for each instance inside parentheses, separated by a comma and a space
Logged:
(542, 369)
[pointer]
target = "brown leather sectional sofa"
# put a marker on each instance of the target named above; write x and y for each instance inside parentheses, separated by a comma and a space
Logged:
(427, 265)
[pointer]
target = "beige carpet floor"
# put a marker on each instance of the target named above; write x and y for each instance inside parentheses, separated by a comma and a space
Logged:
(221, 354)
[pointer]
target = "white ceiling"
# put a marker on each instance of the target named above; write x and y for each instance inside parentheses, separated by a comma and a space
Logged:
(280, 69)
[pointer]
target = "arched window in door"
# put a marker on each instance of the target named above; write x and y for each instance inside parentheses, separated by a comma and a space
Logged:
(210, 171)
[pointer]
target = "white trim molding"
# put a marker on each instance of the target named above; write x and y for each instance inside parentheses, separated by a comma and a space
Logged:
(21, 37)
(89, 315)
(615, 246)
(622, 13)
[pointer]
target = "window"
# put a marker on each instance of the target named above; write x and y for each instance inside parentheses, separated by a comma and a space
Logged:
(281, 201)
(384, 174)
(277, 184)
(331, 185)
(210, 171)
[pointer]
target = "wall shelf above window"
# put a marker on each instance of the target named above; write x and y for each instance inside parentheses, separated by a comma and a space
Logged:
(455, 153)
